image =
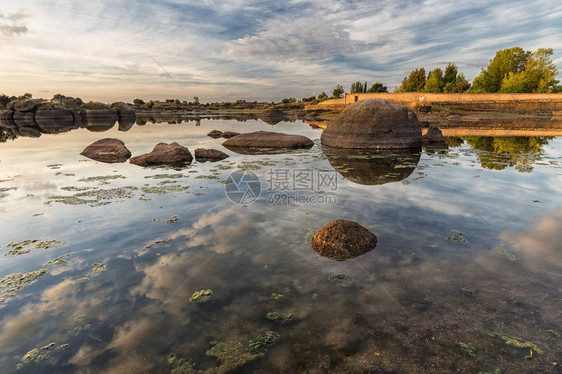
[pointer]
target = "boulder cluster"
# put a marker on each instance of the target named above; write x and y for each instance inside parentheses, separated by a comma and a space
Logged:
(29, 117)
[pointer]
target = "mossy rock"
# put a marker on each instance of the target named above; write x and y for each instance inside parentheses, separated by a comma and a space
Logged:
(96, 106)
(24, 105)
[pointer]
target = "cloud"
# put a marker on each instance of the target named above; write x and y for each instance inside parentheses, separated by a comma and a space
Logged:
(11, 26)
(304, 39)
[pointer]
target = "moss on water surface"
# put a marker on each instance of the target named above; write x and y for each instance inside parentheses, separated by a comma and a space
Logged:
(12, 283)
(29, 245)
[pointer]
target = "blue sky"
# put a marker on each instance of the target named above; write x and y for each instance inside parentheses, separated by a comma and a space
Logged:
(266, 50)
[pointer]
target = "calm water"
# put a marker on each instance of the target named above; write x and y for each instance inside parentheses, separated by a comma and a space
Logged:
(466, 276)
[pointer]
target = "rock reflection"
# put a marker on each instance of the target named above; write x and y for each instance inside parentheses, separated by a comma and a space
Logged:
(373, 167)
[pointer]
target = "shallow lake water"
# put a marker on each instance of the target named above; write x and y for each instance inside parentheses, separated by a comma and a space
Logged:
(466, 276)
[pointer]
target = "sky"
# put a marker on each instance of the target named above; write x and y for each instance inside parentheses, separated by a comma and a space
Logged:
(255, 50)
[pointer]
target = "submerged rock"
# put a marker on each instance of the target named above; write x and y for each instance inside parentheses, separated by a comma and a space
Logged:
(341, 240)
(215, 134)
(107, 150)
(374, 124)
(164, 154)
(202, 155)
(433, 135)
(267, 139)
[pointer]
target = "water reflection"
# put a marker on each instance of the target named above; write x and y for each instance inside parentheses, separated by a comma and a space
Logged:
(501, 152)
(373, 167)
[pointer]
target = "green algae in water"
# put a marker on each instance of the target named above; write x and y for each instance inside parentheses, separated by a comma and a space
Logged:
(554, 333)
(231, 356)
(57, 261)
(12, 283)
(165, 176)
(77, 189)
(27, 246)
(179, 365)
(517, 342)
(98, 267)
(262, 343)
(457, 236)
(277, 296)
(96, 197)
(283, 318)
(54, 166)
(467, 291)
(172, 219)
(201, 296)
(467, 349)
(102, 178)
(39, 354)
(164, 189)
(207, 177)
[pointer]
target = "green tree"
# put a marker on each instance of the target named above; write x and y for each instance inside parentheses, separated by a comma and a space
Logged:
(338, 91)
(435, 82)
(460, 85)
(537, 76)
(415, 82)
(511, 60)
(138, 102)
(4, 100)
(196, 99)
(377, 87)
(358, 87)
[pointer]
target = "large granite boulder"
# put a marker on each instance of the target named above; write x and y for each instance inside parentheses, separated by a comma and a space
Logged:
(433, 135)
(341, 240)
(24, 119)
(50, 117)
(107, 150)
(202, 155)
(124, 111)
(267, 139)
(96, 112)
(25, 105)
(164, 154)
(374, 124)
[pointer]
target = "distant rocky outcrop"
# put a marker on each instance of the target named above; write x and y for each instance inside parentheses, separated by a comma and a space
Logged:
(94, 112)
(374, 124)
(107, 150)
(215, 134)
(341, 240)
(164, 154)
(202, 155)
(272, 116)
(433, 135)
(267, 139)
(229, 134)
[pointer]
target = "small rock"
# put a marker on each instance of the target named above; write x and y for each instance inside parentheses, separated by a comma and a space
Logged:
(341, 240)
(229, 134)
(202, 155)
(433, 135)
(266, 139)
(164, 154)
(107, 150)
(215, 134)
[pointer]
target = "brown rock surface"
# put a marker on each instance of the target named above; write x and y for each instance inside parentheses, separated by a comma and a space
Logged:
(202, 155)
(229, 134)
(164, 154)
(267, 139)
(433, 135)
(341, 240)
(215, 134)
(108, 150)
(374, 124)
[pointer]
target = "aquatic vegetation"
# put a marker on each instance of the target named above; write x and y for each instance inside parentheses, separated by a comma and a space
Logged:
(342, 279)
(98, 267)
(77, 189)
(103, 179)
(165, 176)
(457, 236)
(95, 197)
(172, 219)
(201, 296)
(466, 291)
(277, 296)
(54, 166)
(262, 343)
(179, 365)
(337, 277)
(27, 246)
(214, 176)
(467, 349)
(12, 283)
(283, 318)
(164, 189)
(231, 356)
(57, 261)
(6, 189)
(500, 249)
(517, 342)
(554, 333)
(40, 353)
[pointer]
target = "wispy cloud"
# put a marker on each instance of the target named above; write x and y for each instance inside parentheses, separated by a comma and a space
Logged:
(243, 49)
